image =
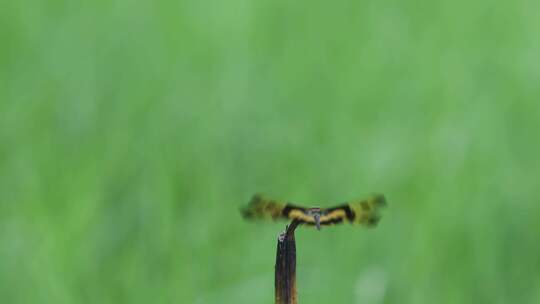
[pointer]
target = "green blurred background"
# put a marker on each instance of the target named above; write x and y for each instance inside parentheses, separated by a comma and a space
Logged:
(131, 133)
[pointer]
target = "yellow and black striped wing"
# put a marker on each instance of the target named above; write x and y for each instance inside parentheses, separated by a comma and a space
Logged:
(300, 214)
(365, 212)
(262, 208)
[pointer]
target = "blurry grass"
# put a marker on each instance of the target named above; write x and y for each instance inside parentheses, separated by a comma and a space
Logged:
(131, 133)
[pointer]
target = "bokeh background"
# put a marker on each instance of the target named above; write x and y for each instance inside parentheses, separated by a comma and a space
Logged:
(131, 132)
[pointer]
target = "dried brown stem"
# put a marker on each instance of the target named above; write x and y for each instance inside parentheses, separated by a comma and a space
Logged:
(285, 279)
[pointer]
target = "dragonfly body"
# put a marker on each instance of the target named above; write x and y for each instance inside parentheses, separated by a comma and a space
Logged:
(364, 212)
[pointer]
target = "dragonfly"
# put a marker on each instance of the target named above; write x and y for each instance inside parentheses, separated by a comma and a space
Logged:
(366, 212)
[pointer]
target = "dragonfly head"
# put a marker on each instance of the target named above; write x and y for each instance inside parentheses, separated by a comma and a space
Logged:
(316, 214)
(317, 218)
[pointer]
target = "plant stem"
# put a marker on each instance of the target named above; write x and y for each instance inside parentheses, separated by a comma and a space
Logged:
(285, 279)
